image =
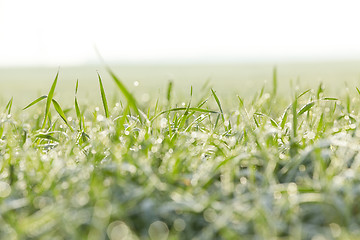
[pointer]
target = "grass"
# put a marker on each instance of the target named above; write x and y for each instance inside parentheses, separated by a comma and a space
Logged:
(267, 167)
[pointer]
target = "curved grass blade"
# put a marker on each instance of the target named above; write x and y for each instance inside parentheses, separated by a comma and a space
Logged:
(49, 99)
(272, 121)
(184, 109)
(129, 97)
(306, 108)
(46, 136)
(60, 112)
(103, 97)
(35, 101)
(220, 108)
(8, 105)
(303, 93)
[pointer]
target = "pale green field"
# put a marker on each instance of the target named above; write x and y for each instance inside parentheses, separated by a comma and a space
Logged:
(25, 84)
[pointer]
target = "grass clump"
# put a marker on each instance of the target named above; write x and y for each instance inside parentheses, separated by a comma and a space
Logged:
(260, 168)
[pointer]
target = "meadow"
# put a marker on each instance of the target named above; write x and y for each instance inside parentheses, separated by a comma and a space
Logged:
(266, 162)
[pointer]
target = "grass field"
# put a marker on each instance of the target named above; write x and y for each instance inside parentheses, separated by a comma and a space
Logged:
(273, 162)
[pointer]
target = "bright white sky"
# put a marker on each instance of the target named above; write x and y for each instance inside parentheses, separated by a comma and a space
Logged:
(49, 32)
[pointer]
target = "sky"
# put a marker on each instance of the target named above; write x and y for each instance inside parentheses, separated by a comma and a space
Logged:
(67, 32)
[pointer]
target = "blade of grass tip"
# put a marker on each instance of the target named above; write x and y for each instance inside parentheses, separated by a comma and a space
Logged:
(306, 108)
(241, 102)
(103, 97)
(8, 106)
(78, 113)
(262, 91)
(358, 90)
(294, 112)
(60, 112)
(284, 118)
(303, 93)
(169, 89)
(219, 104)
(348, 102)
(320, 90)
(189, 104)
(35, 101)
(49, 99)
(220, 108)
(129, 97)
(77, 108)
(275, 86)
(76, 87)
(329, 99)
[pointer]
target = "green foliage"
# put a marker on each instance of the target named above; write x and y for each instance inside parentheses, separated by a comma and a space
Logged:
(285, 168)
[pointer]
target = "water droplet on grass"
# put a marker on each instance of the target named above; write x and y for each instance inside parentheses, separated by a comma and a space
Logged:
(5, 189)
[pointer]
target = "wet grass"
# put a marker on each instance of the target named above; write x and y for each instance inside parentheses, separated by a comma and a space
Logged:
(266, 167)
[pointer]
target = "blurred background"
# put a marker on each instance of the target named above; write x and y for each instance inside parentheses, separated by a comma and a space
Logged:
(233, 44)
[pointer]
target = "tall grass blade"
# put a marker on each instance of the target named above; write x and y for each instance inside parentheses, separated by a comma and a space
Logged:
(295, 120)
(60, 112)
(35, 101)
(49, 99)
(77, 108)
(284, 118)
(220, 108)
(103, 97)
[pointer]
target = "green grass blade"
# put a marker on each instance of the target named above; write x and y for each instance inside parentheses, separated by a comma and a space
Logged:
(219, 105)
(49, 99)
(169, 90)
(275, 84)
(272, 121)
(35, 101)
(303, 93)
(60, 112)
(9, 105)
(78, 113)
(129, 97)
(295, 120)
(76, 87)
(283, 119)
(46, 136)
(306, 108)
(184, 109)
(329, 99)
(77, 108)
(103, 97)
(320, 90)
